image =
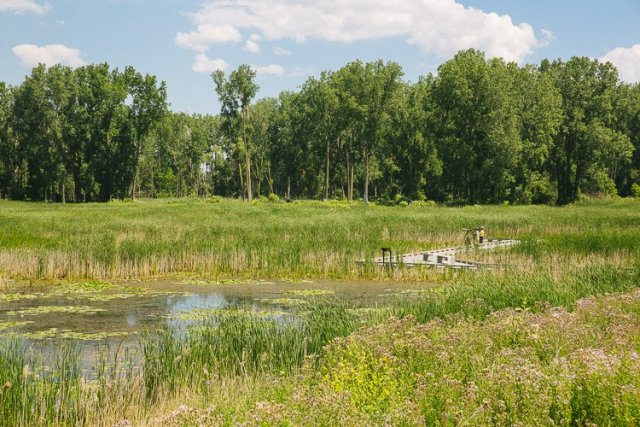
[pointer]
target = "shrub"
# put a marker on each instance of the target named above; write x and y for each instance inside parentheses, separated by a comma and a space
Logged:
(214, 199)
(541, 191)
(274, 198)
(384, 201)
(599, 184)
(423, 204)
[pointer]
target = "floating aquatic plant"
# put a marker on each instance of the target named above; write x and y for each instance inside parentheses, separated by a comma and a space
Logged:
(310, 292)
(18, 297)
(55, 333)
(47, 309)
(9, 325)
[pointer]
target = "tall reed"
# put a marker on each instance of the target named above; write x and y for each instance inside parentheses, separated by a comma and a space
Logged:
(307, 239)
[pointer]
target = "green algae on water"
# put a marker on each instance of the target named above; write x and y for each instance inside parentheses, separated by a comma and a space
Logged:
(18, 297)
(55, 333)
(47, 309)
(9, 325)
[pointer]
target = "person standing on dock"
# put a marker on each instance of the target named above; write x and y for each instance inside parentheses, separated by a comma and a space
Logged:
(481, 234)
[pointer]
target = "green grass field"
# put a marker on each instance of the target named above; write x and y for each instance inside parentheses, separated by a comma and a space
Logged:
(554, 340)
(291, 240)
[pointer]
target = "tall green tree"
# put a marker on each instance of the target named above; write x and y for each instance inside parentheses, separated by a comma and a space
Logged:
(365, 92)
(286, 153)
(235, 95)
(260, 119)
(587, 133)
(476, 121)
(627, 117)
(410, 157)
(540, 115)
(6, 141)
(320, 103)
(34, 127)
(148, 106)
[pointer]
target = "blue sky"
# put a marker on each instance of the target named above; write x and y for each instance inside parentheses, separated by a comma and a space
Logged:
(182, 41)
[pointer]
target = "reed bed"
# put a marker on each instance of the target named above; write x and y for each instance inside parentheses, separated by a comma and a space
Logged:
(294, 240)
(463, 352)
(55, 390)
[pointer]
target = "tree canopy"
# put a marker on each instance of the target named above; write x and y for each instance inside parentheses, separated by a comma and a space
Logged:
(477, 131)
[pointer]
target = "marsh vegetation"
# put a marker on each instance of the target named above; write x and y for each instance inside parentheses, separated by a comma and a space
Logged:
(235, 322)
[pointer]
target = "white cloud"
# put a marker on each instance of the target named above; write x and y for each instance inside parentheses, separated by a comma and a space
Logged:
(24, 6)
(31, 55)
(548, 37)
(280, 51)
(206, 35)
(440, 27)
(203, 64)
(627, 60)
(255, 37)
(251, 46)
(270, 70)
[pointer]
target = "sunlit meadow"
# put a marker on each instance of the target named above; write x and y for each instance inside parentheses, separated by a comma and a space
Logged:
(551, 338)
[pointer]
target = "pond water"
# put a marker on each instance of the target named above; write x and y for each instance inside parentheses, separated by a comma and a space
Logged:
(98, 312)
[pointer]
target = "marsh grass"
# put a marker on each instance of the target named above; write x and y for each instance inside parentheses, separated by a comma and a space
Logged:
(246, 344)
(51, 388)
(235, 344)
(297, 240)
(243, 343)
(567, 254)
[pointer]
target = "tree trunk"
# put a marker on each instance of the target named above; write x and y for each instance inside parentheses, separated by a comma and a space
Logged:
(288, 187)
(326, 175)
(349, 180)
(77, 185)
(365, 196)
(270, 180)
(241, 180)
(133, 185)
(135, 167)
(258, 187)
(247, 160)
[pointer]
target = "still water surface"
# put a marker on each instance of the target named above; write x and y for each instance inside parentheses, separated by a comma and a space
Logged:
(108, 313)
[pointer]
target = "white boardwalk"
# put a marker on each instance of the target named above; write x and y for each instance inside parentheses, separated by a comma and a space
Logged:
(447, 257)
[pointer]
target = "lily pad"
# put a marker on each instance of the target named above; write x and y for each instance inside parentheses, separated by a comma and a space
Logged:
(18, 297)
(8, 325)
(56, 333)
(46, 309)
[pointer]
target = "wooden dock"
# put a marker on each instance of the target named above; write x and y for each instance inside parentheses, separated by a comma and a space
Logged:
(445, 258)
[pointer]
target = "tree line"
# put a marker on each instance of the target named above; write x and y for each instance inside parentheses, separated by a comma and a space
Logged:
(76, 134)
(479, 131)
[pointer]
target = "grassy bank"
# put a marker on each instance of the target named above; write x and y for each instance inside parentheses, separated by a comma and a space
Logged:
(371, 373)
(293, 240)
(551, 367)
